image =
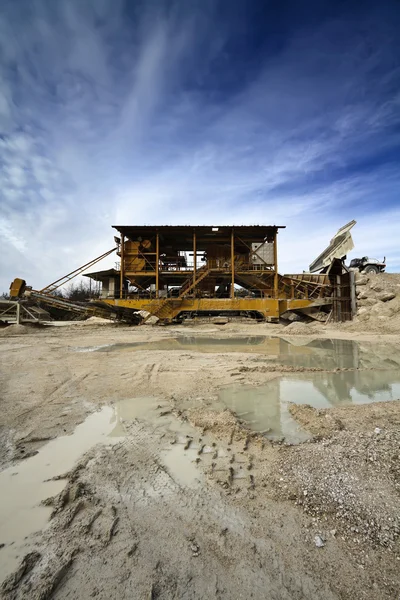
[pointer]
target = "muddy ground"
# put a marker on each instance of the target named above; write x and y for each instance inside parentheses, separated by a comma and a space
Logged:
(183, 500)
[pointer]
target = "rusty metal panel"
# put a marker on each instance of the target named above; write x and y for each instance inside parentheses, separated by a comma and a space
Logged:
(264, 253)
(342, 298)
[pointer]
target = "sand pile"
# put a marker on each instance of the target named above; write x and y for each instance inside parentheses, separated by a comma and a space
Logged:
(96, 321)
(15, 330)
(299, 328)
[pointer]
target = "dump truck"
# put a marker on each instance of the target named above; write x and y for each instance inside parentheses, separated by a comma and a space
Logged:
(339, 247)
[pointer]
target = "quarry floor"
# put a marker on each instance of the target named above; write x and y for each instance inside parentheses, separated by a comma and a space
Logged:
(123, 475)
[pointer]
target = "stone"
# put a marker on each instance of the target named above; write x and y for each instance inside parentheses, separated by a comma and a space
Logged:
(220, 320)
(152, 320)
(361, 279)
(291, 317)
(377, 287)
(319, 542)
(362, 296)
(366, 302)
(386, 296)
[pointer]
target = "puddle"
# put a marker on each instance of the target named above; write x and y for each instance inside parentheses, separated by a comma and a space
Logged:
(263, 411)
(93, 348)
(24, 486)
(326, 390)
(265, 408)
(180, 463)
(299, 352)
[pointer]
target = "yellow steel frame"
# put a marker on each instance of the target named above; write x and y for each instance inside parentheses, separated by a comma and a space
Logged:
(281, 293)
(268, 307)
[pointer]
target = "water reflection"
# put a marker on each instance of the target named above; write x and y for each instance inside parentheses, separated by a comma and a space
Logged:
(265, 408)
(327, 354)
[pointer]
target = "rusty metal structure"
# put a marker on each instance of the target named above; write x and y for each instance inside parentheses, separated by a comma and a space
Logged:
(173, 272)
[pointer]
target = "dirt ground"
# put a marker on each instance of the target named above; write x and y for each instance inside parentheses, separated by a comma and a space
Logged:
(184, 501)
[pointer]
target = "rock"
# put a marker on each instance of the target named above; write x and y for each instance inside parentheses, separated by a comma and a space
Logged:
(195, 548)
(377, 430)
(386, 296)
(362, 311)
(366, 302)
(382, 309)
(319, 542)
(291, 317)
(361, 279)
(152, 320)
(220, 320)
(377, 287)
(362, 296)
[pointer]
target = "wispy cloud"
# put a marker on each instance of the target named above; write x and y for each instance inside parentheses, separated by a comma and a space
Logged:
(170, 115)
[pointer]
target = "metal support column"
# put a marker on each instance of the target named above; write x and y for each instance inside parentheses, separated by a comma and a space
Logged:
(121, 270)
(233, 264)
(18, 313)
(157, 264)
(353, 298)
(194, 262)
(276, 280)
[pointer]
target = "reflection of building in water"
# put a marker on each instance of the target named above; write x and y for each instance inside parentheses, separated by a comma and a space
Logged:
(360, 386)
(323, 353)
(263, 410)
(259, 406)
(266, 408)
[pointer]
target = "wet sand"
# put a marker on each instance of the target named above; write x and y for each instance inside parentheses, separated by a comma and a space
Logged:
(174, 464)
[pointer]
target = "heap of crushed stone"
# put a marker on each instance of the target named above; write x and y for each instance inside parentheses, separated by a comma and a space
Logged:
(299, 328)
(354, 476)
(15, 330)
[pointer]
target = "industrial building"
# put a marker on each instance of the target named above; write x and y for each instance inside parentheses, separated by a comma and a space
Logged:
(178, 271)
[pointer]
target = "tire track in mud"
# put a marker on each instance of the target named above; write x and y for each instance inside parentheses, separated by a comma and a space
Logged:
(54, 393)
(125, 525)
(196, 510)
(67, 384)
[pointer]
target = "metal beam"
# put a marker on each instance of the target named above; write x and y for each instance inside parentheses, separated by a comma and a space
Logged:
(253, 252)
(122, 267)
(233, 264)
(59, 282)
(276, 279)
(157, 263)
(194, 261)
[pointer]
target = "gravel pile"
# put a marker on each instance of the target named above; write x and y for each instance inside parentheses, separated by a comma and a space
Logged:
(353, 477)
(15, 330)
(298, 328)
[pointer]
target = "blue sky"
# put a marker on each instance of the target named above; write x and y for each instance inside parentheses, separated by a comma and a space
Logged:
(192, 112)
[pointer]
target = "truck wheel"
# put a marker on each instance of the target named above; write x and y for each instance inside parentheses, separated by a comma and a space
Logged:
(371, 269)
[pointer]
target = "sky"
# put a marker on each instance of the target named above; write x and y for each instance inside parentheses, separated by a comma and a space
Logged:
(196, 112)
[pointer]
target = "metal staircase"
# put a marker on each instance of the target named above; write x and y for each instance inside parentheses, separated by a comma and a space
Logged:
(164, 310)
(190, 283)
